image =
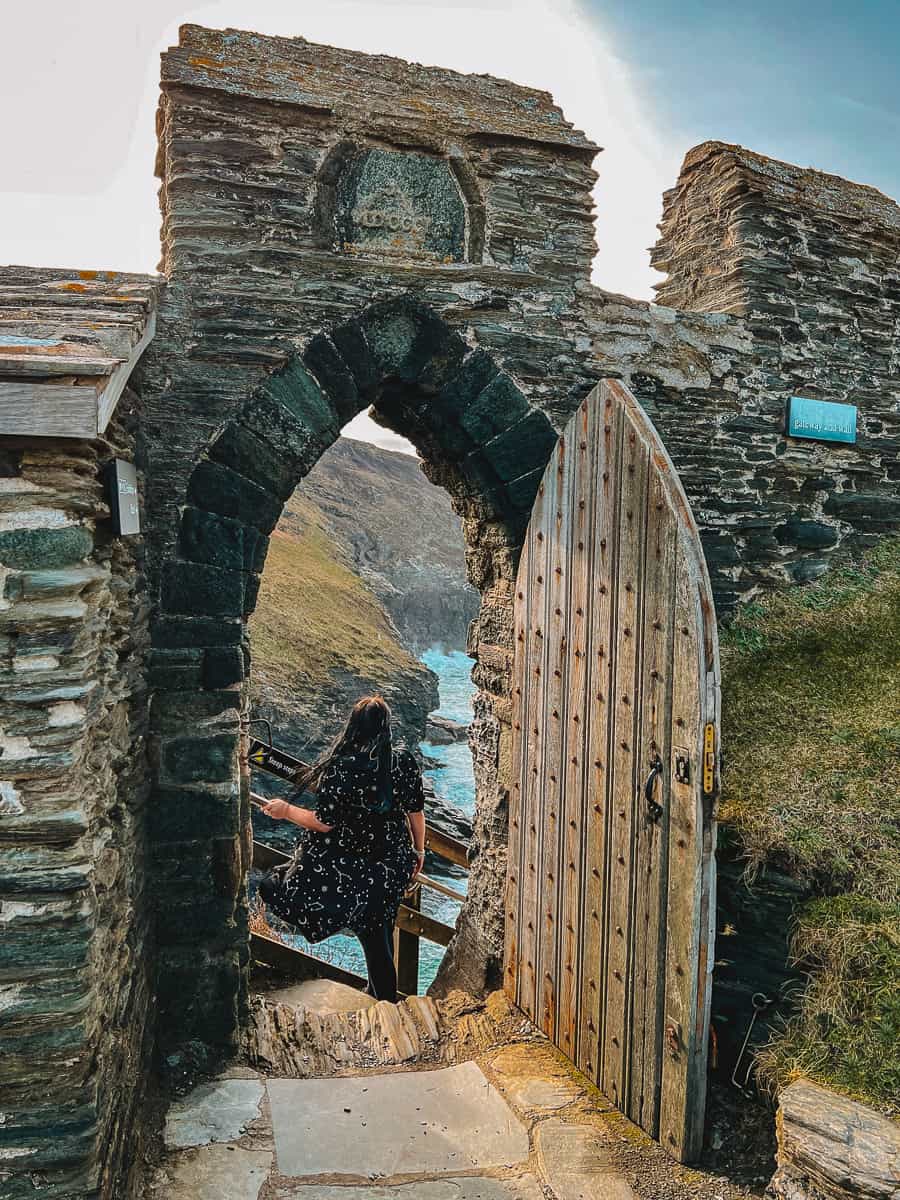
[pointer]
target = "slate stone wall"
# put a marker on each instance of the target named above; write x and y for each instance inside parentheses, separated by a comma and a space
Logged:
(422, 244)
(75, 988)
(316, 265)
(811, 265)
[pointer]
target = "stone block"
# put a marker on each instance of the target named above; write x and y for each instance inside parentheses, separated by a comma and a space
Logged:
(288, 434)
(410, 342)
(182, 815)
(219, 1111)
(175, 670)
(251, 592)
(829, 1145)
(30, 549)
(190, 759)
(195, 920)
(237, 447)
(199, 999)
(807, 535)
(720, 550)
(334, 376)
(333, 1126)
(522, 492)
(218, 489)
(208, 538)
(197, 589)
(575, 1163)
(524, 448)
(256, 547)
(223, 666)
(499, 406)
(223, 1172)
(350, 341)
(297, 390)
(869, 510)
(173, 712)
(475, 373)
(182, 632)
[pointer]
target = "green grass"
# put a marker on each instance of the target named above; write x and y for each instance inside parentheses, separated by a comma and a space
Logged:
(811, 732)
(315, 617)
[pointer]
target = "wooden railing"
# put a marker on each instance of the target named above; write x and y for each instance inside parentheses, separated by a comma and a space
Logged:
(412, 924)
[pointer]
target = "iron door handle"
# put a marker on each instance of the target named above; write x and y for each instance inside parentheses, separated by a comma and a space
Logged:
(654, 809)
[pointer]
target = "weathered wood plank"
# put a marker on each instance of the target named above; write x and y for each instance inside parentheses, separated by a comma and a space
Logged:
(625, 754)
(519, 719)
(296, 964)
(599, 781)
(446, 847)
(582, 464)
(45, 366)
(647, 978)
(113, 389)
(534, 735)
(557, 527)
(48, 409)
(682, 1056)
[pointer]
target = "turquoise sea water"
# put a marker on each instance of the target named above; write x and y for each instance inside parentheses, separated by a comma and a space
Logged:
(453, 780)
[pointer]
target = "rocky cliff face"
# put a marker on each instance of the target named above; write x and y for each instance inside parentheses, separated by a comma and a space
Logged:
(365, 568)
(400, 534)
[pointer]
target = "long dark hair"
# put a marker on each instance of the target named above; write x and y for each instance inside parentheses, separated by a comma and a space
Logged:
(368, 728)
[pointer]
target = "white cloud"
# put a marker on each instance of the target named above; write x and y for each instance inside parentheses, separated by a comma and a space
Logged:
(77, 183)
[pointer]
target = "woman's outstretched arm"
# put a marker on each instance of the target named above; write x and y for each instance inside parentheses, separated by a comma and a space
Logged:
(417, 829)
(280, 810)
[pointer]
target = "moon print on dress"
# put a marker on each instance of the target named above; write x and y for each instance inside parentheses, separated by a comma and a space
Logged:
(353, 878)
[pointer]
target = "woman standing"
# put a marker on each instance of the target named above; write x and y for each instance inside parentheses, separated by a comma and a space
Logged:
(366, 843)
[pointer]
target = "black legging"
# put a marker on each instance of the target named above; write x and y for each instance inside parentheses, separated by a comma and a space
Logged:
(378, 948)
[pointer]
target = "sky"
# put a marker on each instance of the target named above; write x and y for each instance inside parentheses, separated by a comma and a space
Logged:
(811, 81)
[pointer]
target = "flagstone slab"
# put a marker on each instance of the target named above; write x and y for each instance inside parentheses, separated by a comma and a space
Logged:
(214, 1112)
(476, 1187)
(532, 1077)
(417, 1122)
(577, 1165)
(214, 1173)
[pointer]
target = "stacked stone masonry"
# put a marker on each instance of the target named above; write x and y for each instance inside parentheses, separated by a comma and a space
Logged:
(343, 231)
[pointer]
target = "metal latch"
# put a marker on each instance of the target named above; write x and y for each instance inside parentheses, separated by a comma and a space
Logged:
(682, 767)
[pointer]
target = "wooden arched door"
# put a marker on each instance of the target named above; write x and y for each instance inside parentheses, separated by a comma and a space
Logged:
(610, 887)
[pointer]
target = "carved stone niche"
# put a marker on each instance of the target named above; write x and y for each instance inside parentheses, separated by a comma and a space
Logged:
(382, 203)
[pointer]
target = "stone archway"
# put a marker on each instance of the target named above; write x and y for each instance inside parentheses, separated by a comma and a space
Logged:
(482, 440)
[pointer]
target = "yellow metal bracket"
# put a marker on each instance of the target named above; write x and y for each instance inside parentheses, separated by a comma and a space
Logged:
(709, 759)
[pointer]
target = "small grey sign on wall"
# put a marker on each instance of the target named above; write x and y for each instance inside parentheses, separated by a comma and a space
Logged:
(122, 493)
(392, 204)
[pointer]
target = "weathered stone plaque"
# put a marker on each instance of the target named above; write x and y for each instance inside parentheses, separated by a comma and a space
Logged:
(400, 205)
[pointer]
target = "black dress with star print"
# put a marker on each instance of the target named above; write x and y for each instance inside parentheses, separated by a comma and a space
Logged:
(353, 878)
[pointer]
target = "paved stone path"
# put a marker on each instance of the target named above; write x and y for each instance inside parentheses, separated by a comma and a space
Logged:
(515, 1124)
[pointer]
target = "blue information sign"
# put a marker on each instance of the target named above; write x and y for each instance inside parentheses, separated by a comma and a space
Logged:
(821, 420)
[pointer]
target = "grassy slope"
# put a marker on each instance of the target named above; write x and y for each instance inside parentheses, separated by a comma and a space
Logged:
(811, 680)
(314, 615)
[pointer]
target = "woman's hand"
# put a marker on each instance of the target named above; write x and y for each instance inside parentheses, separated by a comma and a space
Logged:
(417, 869)
(278, 810)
